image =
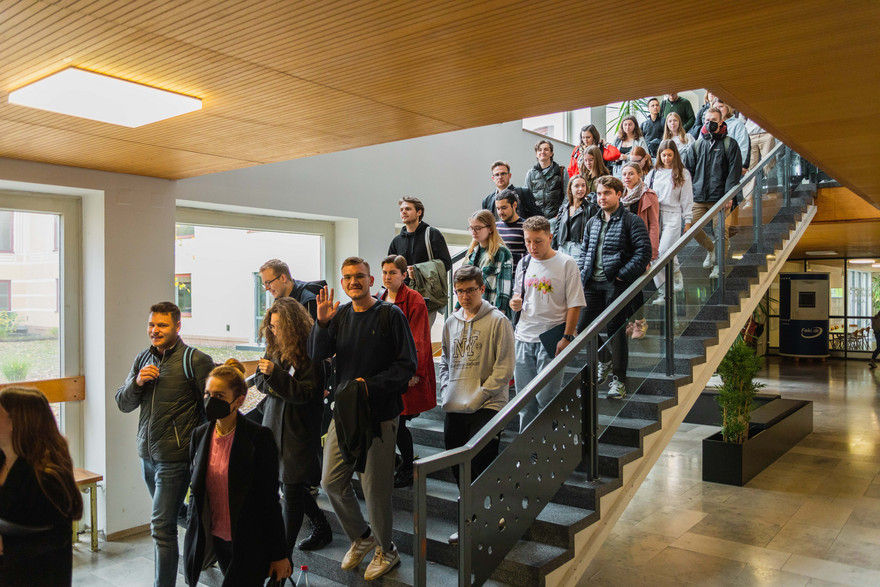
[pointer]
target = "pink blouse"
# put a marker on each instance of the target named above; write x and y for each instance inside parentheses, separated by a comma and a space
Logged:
(217, 484)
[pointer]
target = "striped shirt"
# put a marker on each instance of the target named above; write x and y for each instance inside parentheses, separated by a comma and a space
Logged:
(512, 235)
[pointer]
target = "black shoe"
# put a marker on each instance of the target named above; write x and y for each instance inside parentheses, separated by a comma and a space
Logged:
(320, 537)
(403, 478)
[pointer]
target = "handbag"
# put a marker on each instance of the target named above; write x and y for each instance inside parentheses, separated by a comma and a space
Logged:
(430, 279)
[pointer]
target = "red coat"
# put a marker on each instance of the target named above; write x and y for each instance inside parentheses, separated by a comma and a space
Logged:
(422, 396)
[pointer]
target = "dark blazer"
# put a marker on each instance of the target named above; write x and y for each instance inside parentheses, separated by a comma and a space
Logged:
(254, 508)
(293, 410)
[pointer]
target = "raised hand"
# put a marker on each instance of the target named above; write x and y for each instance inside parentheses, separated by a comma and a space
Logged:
(326, 308)
(148, 373)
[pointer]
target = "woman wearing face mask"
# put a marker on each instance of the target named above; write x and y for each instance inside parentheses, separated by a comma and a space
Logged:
(487, 251)
(234, 509)
(293, 410)
(568, 235)
(38, 495)
(675, 132)
(628, 136)
(641, 201)
(592, 168)
(675, 192)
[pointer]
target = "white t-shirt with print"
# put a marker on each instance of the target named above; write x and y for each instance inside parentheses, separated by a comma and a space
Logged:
(552, 287)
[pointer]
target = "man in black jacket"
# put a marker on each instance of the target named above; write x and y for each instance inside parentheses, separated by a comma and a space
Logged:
(617, 251)
(652, 128)
(170, 408)
(373, 345)
(715, 164)
(410, 243)
(525, 201)
(278, 282)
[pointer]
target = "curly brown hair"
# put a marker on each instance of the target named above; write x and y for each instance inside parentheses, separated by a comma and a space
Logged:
(288, 343)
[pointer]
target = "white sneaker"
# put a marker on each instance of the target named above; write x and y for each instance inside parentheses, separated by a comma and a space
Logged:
(603, 371)
(709, 261)
(382, 563)
(616, 390)
(677, 281)
(659, 301)
(714, 274)
(358, 550)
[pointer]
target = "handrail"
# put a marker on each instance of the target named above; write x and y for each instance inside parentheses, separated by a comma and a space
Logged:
(589, 339)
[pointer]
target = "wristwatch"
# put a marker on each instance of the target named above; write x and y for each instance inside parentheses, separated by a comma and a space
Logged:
(568, 337)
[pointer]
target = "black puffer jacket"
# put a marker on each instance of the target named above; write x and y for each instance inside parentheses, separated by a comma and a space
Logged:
(548, 192)
(169, 407)
(715, 164)
(626, 250)
(571, 228)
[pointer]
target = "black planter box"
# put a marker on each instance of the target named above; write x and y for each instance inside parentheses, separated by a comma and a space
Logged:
(787, 423)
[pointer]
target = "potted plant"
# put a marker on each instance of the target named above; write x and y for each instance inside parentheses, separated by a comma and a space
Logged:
(750, 439)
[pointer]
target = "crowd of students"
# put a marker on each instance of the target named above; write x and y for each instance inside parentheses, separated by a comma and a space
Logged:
(545, 260)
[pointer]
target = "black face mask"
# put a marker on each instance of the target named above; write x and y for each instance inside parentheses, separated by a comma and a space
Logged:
(216, 408)
(712, 126)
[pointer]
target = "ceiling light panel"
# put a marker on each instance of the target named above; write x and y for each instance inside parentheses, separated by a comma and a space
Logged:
(94, 96)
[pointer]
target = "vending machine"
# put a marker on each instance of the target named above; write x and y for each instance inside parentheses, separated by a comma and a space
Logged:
(803, 314)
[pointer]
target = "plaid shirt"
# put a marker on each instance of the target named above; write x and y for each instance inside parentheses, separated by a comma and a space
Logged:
(497, 276)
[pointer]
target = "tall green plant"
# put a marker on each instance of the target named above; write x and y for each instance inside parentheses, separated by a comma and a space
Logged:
(15, 369)
(737, 391)
(626, 108)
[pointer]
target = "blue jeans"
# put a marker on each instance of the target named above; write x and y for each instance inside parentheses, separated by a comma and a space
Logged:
(167, 482)
(531, 358)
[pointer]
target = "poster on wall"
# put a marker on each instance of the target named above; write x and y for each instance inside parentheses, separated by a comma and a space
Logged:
(803, 314)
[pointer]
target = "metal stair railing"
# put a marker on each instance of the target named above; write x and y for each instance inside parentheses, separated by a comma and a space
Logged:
(497, 508)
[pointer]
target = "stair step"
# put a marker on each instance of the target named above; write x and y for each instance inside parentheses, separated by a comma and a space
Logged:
(625, 431)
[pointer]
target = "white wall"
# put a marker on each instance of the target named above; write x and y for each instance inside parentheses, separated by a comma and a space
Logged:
(128, 256)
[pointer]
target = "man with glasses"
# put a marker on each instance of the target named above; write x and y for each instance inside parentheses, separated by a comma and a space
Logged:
(278, 282)
(375, 360)
(476, 365)
(524, 198)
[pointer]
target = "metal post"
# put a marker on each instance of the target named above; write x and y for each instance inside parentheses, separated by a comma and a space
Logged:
(420, 498)
(757, 211)
(786, 177)
(667, 319)
(465, 508)
(720, 249)
(592, 414)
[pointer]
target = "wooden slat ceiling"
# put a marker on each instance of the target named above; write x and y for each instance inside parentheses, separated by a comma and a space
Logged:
(283, 79)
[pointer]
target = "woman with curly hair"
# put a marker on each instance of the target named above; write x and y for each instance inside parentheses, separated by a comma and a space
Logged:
(293, 409)
(39, 499)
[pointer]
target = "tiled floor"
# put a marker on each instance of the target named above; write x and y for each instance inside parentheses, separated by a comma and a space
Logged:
(811, 518)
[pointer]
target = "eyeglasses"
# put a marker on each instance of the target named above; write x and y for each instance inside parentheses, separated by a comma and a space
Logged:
(500, 174)
(356, 277)
(266, 284)
(477, 228)
(466, 292)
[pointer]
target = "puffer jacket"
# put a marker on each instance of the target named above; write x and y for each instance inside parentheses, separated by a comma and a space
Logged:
(715, 164)
(626, 250)
(548, 192)
(571, 228)
(169, 409)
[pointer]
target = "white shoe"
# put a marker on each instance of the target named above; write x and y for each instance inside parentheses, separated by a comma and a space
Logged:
(709, 261)
(677, 281)
(616, 390)
(714, 274)
(659, 301)
(603, 371)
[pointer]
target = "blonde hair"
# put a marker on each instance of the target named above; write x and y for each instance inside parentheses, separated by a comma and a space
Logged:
(495, 242)
(681, 132)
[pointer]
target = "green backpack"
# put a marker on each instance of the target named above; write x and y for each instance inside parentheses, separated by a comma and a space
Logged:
(430, 279)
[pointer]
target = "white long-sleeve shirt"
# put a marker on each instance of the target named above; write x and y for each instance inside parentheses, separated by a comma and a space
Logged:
(673, 198)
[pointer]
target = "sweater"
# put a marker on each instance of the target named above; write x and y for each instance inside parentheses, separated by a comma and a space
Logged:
(497, 276)
(679, 199)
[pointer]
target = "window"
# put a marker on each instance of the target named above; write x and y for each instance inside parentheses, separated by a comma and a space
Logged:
(6, 218)
(5, 295)
(183, 293)
(185, 231)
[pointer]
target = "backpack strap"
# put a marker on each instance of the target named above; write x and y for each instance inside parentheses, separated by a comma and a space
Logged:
(525, 265)
(190, 374)
(651, 184)
(428, 246)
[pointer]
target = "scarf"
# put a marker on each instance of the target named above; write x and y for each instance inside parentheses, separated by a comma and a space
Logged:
(630, 197)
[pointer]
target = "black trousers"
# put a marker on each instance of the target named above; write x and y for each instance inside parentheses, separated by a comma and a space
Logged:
(459, 428)
(405, 444)
(297, 501)
(600, 295)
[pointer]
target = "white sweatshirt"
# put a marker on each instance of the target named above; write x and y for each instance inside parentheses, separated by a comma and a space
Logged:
(673, 199)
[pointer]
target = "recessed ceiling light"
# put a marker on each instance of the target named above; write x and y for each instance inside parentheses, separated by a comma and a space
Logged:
(822, 253)
(861, 261)
(85, 94)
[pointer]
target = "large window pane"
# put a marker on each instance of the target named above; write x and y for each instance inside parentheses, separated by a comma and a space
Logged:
(29, 305)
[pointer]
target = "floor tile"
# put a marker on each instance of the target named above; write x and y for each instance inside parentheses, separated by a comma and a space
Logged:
(744, 553)
(822, 514)
(669, 521)
(832, 571)
(804, 539)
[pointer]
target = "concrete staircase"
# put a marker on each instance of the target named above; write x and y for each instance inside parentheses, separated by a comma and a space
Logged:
(560, 545)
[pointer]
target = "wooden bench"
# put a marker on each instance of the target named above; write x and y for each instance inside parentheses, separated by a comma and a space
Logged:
(87, 482)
